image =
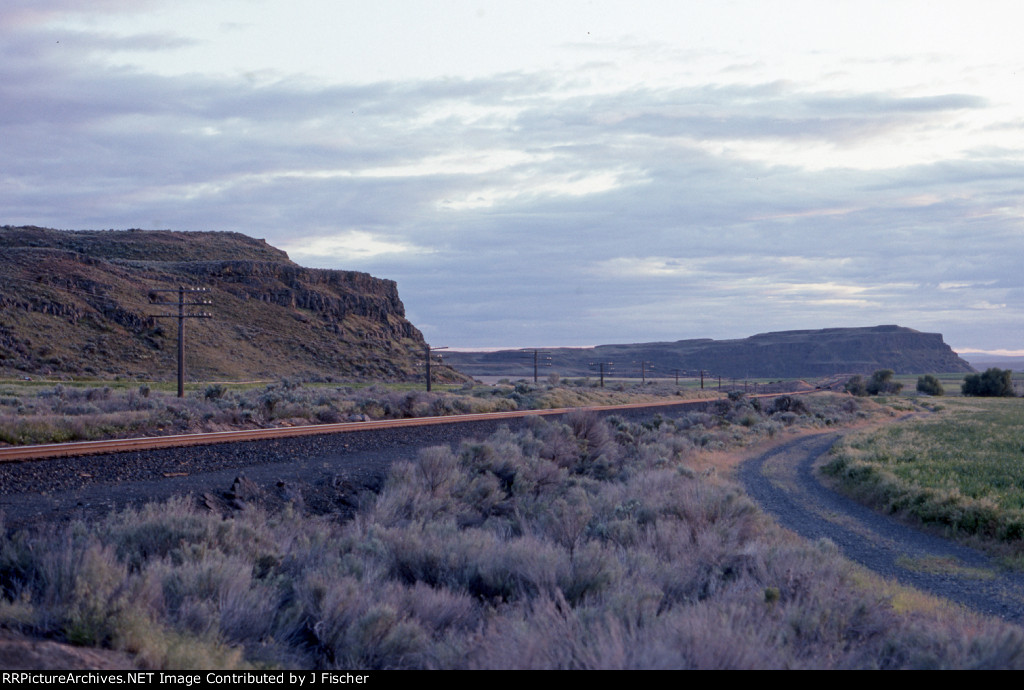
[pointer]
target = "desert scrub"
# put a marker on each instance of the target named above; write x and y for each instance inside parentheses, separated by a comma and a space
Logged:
(581, 543)
(961, 469)
(34, 414)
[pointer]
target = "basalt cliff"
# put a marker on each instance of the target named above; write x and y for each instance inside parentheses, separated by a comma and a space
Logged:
(105, 304)
(784, 354)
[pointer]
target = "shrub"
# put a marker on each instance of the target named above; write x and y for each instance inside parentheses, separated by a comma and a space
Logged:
(881, 382)
(994, 383)
(786, 403)
(929, 385)
(856, 386)
(215, 392)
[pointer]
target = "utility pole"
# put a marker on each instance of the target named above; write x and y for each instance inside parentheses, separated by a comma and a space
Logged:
(601, 365)
(428, 350)
(537, 363)
(181, 316)
(643, 370)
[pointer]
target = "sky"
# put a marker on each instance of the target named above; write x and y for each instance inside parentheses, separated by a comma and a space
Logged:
(552, 173)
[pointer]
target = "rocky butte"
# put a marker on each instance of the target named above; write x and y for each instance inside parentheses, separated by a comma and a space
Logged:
(784, 354)
(81, 303)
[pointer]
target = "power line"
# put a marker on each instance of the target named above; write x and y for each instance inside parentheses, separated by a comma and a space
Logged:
(537, 361)
(427, 349)
(602, 365)
(181, 316)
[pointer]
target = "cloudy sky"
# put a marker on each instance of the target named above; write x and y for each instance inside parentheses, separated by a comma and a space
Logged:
(552, 173)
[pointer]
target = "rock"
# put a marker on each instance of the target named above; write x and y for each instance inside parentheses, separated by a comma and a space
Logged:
(784, 354)
(106, 300)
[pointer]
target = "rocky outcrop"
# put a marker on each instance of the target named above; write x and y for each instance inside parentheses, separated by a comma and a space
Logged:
(784, 354)
(331, 295)
(95, 303)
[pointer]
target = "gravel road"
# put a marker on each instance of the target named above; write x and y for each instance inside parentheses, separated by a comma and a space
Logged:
(784, 483)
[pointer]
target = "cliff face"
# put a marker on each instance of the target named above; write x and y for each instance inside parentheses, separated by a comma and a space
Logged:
(83, 303)
(785, 354)
(831, 351)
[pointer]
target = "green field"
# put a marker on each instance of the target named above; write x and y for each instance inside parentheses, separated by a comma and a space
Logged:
(960, 467)
(951, 382)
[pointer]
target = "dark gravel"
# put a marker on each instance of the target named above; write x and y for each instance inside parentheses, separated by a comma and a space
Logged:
(784, 483)
(325, 472)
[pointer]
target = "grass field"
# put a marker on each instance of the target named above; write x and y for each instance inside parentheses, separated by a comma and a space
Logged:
(951, 383)
(960, 468)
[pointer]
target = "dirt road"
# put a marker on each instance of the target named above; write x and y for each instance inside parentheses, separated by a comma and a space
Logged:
(783, 481)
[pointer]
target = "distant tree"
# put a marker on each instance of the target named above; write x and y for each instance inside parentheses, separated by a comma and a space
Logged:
(994, 383)
(929, 385)
(881, 382)
(856, 386)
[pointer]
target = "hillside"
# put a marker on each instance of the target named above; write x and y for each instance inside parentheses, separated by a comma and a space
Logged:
(81, 303)
(784, 354)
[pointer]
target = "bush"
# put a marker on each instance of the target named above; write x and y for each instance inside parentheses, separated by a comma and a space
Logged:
(881, 382)
(215, 392)
(994, 383)
(929, 385)
(856, 386)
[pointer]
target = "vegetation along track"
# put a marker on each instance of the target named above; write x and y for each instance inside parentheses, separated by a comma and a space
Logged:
(783, 482)
(82, 448)
(327, 465)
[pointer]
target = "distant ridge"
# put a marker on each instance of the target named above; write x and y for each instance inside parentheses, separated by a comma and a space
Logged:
(984, 361)
(79, 303)
(782, 354)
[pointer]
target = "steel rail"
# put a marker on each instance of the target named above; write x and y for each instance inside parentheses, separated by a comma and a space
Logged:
(122, 445)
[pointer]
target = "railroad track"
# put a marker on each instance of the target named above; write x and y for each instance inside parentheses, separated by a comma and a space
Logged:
(79, 448)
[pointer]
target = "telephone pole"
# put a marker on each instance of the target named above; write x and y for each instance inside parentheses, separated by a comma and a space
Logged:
(427, 350)
(602, 366)
(181, 316)
(643, 369)
(537, 362)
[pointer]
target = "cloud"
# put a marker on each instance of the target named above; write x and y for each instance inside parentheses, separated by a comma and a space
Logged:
(1001, 352)
(567, 205)
(27, 14)
(351, 245)
(645, 267)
